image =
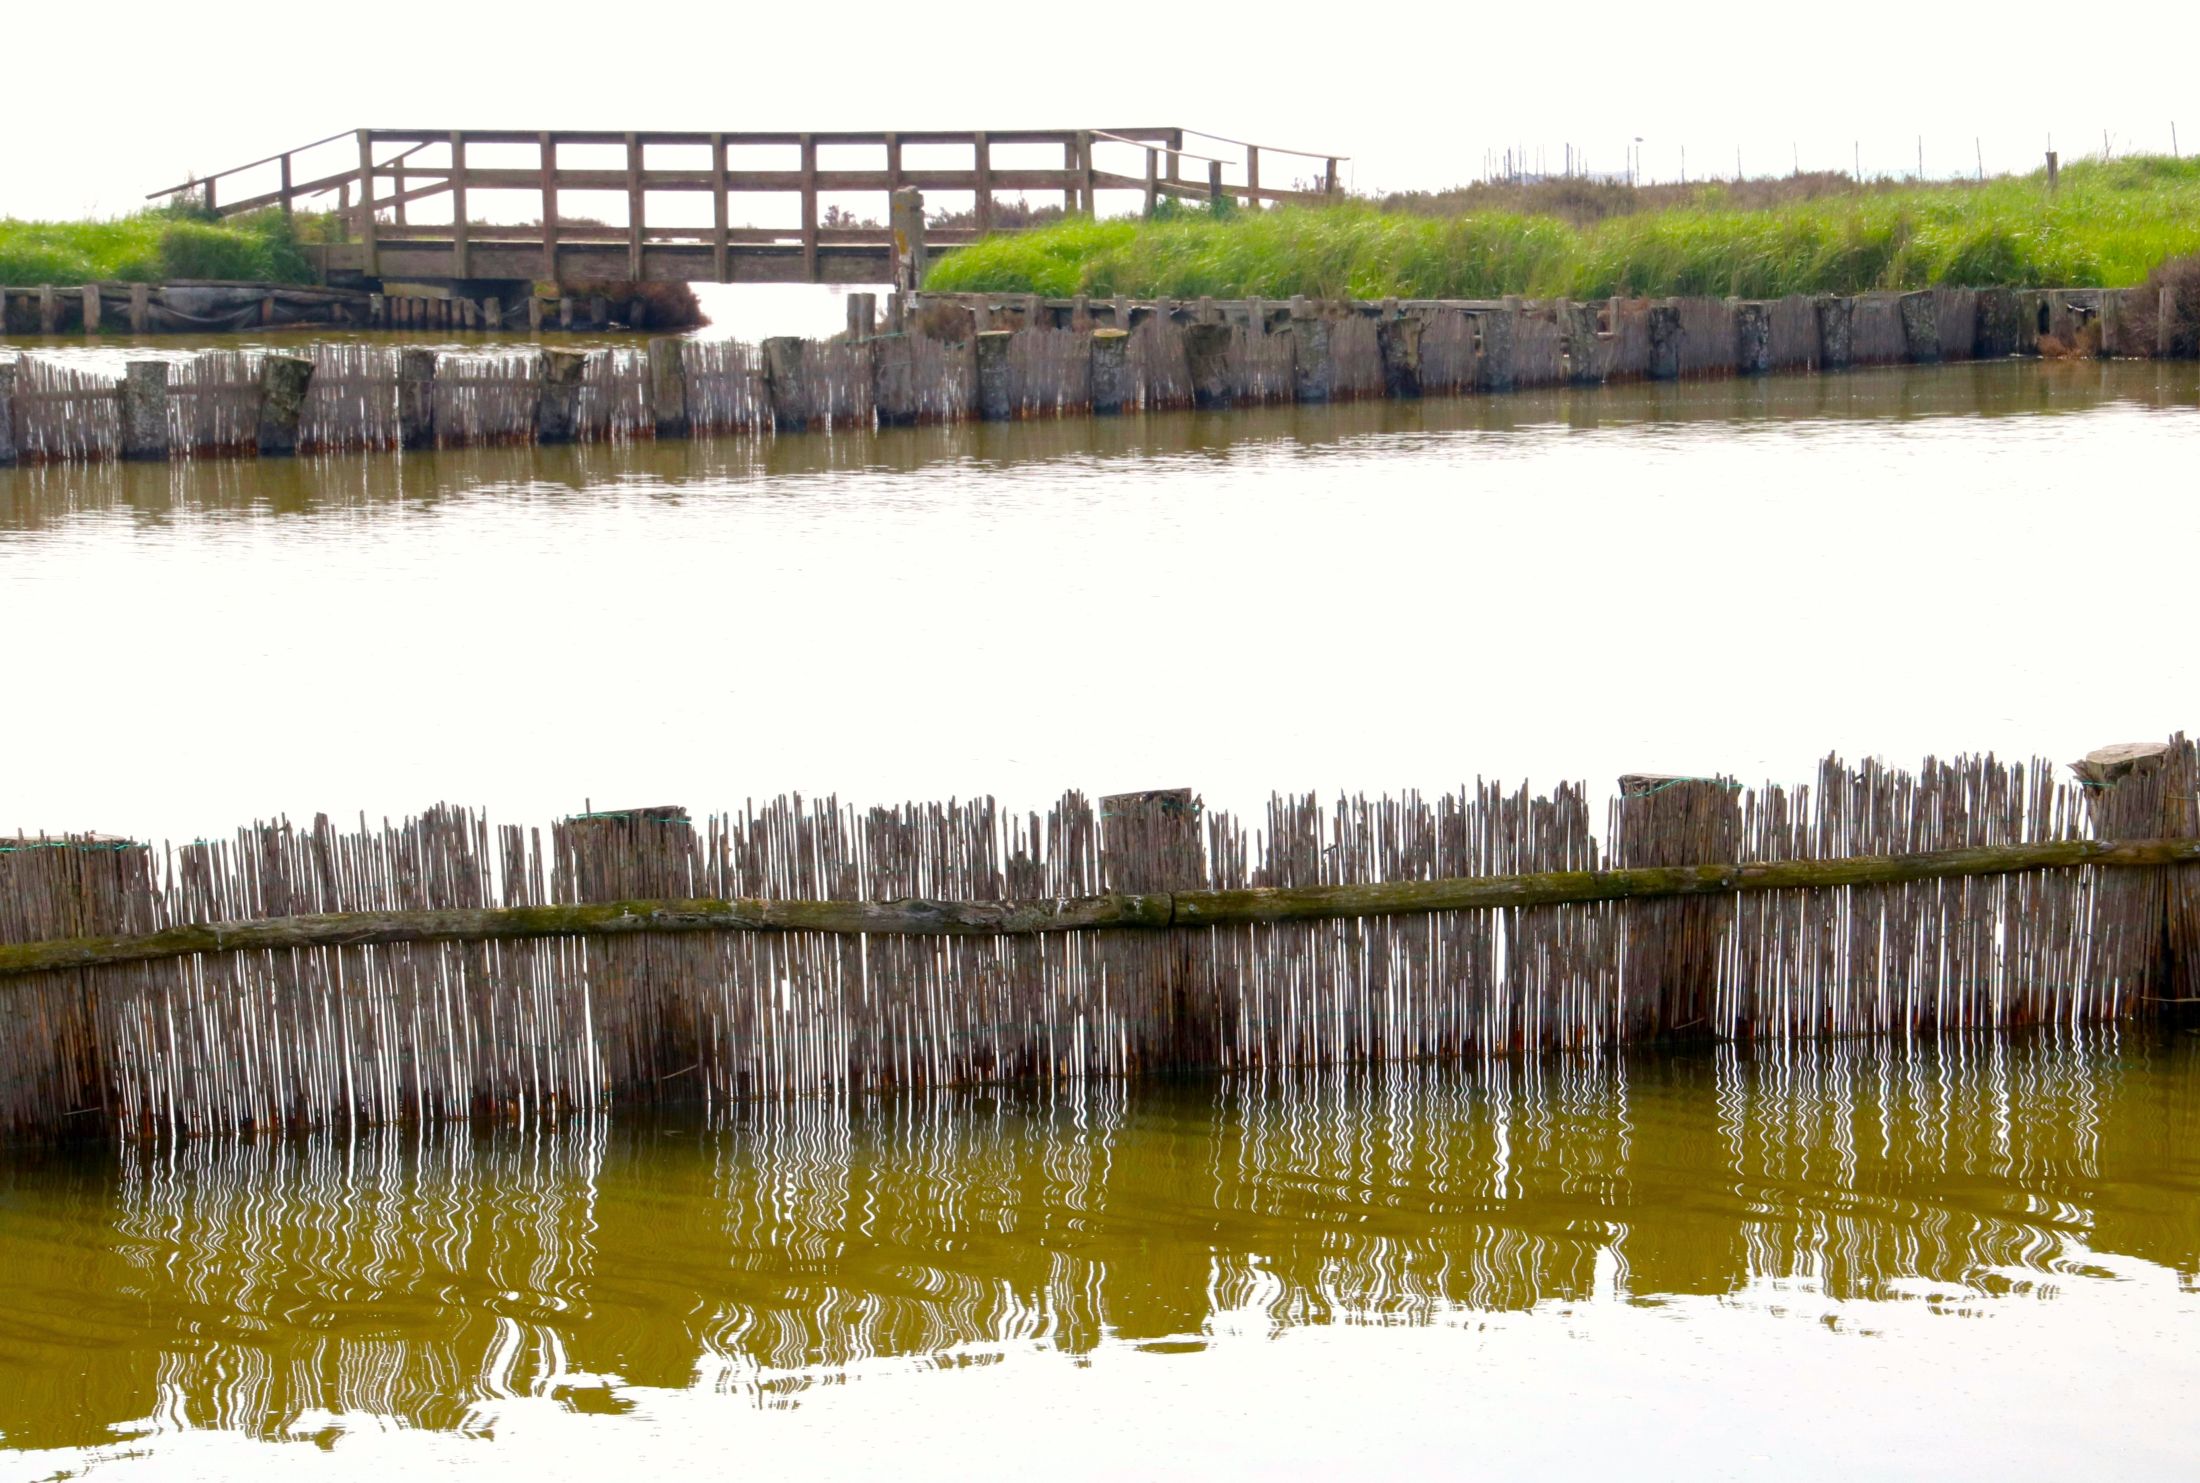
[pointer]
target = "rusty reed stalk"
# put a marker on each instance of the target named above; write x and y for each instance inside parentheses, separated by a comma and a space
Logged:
(1119, 909)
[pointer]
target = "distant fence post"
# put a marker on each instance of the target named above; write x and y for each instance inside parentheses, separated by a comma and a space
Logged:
(558, 408)
(2145, 790)
(907, 220)
(145, 409)
(1752, 338)
(1670, 949)
(284, 380)
(1150, 842)
(786, 382)
(1207, 353)
(7, 412)
(862, 316)
(1836, 323)
(1920, 327)
(994, 404)
(416, 398)
(1111, 371)
(1665, 341)
(668, 399)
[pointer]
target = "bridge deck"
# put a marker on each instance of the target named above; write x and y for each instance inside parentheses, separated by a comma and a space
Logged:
(465, 204)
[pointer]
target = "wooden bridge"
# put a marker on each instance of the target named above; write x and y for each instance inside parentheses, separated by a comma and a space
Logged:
(563, 206)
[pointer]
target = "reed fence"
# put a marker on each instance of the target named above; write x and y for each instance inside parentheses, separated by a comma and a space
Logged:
(950, 358)
(436, 968)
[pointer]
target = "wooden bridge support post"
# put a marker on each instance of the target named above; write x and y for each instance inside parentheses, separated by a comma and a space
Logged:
(786, 382)
(994, 391)
(492, 312)
(1398, 338)
(1670, 950)
(1494, 361)
(558, 407)
(7, 412)
(1111, 371)
(49, 310)
(908, 229)
(416, 398)
(1836, 324)
(668, 400)
(91, 308)
(1920, 327)
(2145, 790)
(284, 381)
(1150, 842)
(141, 307)
(145, 410)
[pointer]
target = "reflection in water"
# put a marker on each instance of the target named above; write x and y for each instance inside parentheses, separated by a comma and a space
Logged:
(427, 1278)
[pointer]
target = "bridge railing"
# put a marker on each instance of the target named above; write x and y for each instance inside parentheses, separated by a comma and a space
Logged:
(456, 190)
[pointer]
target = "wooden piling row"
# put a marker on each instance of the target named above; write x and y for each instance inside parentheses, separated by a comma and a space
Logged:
(439, 968)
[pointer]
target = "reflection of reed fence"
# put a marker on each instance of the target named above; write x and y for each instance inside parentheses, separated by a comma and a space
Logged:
(960, 357)
(435, 969)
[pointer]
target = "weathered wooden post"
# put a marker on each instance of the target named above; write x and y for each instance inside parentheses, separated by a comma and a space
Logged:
(1670, 949)
(416, 398)
(1836, 323)
(2146, 922)
(2165, 323)
(2112, 323)
(1313, 369)
(565, 311)
(1493, 356)
(1994, 335)
(284, 381)
(906, 216)
(1578, 323)
(492, 312)
(558, 406)
(1111, 371)
(668, 399)
(534, 314)
(1665, 340)
(1398, 338)
(1752, 337)
(1207, 352)
(862, 316)
(2054, 171)
(91, 308)
(1150, 843)
(1920, 327)
(995, 402)
(141, 305)
(7, 412)
(145, 410)
(787, 382)
(49, 310)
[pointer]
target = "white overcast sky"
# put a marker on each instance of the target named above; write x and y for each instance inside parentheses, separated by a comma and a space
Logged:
(1417, 94)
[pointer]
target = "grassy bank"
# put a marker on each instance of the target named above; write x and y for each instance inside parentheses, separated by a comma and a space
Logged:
(2108, 225)
(154, 246)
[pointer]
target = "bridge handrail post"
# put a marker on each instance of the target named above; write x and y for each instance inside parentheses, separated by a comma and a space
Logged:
(809, 208)
(461, 248)
(635, 209)
(1153, 178)
(982, 166)
(1084, 167)
(719, 208)
(549, 146)
(373, 264)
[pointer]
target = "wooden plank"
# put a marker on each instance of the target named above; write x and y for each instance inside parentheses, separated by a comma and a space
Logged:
(809, 207)
(461, 265)
(719, 207)
(634, 207)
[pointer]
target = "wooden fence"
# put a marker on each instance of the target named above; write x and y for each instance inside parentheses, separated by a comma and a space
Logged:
(813, 947)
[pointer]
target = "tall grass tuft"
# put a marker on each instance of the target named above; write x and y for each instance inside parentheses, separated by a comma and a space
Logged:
(2108, 225)
(157, 245)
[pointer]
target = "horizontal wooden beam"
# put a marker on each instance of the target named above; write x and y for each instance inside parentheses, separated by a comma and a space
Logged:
(1023, 918)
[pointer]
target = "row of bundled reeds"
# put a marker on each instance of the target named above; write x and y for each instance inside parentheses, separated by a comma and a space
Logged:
(360, 1028)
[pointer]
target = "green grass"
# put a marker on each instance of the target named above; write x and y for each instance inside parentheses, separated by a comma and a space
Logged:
(154, 246)
(2108, 225)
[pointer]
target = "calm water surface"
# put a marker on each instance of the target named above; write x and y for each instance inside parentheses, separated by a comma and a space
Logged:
(1935, 1260)
(1929, 1260)
(1726, 576)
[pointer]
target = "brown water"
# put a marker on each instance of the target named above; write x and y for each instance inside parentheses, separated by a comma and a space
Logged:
(1931, 1259)
(1928, 1260)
